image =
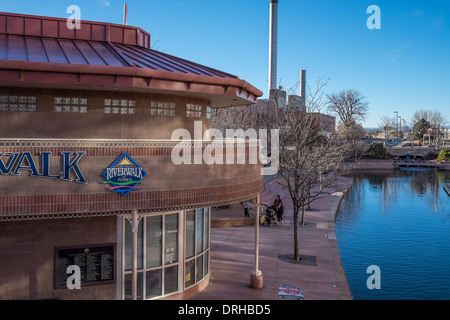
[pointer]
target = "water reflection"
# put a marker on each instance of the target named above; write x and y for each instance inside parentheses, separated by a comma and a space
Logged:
(400, 221)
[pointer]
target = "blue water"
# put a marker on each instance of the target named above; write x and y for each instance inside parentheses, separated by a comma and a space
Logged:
(400, 222)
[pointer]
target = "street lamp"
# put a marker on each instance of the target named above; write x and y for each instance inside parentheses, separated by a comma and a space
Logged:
(396, 125)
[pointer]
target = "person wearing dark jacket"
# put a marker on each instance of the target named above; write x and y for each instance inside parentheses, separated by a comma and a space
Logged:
(280, 208)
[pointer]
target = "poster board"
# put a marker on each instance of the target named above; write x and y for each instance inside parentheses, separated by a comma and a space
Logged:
(96, 263)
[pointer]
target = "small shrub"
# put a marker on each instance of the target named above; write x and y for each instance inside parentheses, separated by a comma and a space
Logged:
(444, 155)
(378, 151)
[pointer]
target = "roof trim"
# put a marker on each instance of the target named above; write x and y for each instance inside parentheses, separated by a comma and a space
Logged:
(128, 78)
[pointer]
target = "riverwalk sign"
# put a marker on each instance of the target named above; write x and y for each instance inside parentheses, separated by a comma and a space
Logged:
(15, 164)
(124, 175)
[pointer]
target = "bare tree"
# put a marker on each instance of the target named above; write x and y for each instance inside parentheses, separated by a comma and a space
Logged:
(349, 105)
(434, 117)
(352, 135)
(387, 124)
(310, 163)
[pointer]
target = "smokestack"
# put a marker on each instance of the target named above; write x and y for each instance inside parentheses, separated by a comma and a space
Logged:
(273, 39)
(125, 14)
(303, 84)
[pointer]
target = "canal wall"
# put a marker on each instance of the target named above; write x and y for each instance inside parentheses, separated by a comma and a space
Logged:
(381, 165)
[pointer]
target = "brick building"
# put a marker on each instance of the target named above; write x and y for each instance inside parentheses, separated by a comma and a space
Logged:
(86, 173)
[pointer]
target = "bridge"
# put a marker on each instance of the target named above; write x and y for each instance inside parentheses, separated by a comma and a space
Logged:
(413, 164)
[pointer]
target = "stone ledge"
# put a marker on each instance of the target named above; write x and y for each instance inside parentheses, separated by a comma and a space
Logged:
(232, 222)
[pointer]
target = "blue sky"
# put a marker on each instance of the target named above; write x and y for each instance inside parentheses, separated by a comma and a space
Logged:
(403, 67)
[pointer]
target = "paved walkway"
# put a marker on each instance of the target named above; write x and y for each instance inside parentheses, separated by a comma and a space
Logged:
(233, 252)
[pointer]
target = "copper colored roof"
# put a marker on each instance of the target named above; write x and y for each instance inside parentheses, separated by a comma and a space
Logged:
(41, 51)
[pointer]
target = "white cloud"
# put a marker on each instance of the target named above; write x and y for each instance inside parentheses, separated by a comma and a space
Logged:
(103, 3)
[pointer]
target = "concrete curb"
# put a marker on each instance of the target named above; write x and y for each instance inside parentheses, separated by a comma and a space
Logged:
(341, 278)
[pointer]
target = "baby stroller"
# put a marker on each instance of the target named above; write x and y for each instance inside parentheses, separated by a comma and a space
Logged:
(271, 216)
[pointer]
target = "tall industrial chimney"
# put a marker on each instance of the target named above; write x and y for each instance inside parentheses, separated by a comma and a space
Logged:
(273, 39)
(125, 14)
(303, 84)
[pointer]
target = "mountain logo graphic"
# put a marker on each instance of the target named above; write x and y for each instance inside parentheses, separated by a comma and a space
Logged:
(125, 175)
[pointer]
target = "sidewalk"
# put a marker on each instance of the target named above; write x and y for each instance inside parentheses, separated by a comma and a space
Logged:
(233, 252)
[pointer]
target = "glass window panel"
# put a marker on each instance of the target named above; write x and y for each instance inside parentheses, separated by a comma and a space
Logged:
(171, 239)
(199, 269)
(199, 229)
(154, 241)
(190, 234)
(171, 280)
(206, 228)
(153, 284)
(189, 273)
(129, 246)
(206, 263)
(128, 286)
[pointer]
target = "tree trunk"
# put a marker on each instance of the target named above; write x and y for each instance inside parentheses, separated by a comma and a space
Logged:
(296, 246)
(303, 216)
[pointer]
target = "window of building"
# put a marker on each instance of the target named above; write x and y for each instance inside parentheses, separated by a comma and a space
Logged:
(120, 106)
(17, 103)
(163, 263)
(208, 112)
(197, 246)
(158, 245)
(163, 109)
(70, 105)
(193, 110)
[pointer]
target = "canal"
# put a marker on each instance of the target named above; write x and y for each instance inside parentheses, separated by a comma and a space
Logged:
(398, 221)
